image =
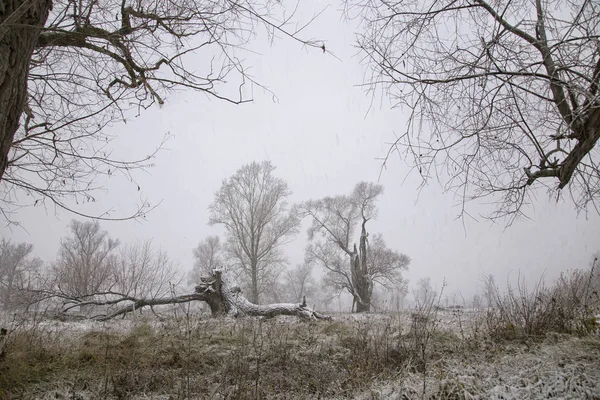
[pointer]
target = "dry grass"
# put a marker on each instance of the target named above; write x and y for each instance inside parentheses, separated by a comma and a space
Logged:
(570, 305)
(367, 356)
(190, 358)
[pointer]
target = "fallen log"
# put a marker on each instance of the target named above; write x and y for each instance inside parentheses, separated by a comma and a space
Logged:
(218, 290)
(227, 299)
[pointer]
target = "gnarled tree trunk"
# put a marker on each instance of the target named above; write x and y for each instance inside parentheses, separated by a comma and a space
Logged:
(360, 275)
(21, 22)
(225, 297)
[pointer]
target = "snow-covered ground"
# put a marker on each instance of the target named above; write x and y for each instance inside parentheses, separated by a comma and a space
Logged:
(559, 368)
(465, 363)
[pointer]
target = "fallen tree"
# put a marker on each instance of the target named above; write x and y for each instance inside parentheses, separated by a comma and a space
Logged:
(225, 298)
(218, 290)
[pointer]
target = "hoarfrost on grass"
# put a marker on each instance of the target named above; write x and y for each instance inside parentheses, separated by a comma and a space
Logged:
(466, 364)
(560, 367)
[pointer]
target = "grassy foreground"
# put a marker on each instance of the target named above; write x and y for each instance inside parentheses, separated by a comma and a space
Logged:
(401, 356)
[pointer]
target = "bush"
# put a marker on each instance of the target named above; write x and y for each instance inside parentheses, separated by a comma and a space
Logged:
(570, 305)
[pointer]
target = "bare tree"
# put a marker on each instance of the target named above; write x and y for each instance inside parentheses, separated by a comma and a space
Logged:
(70, 68)
(501, 96)
(299, 282)
(83, 267)
(424, 293)
(135, 274)
(208, 256)
(19, 272)
(490, 290)
(141, 271)
(398, 296)
(253, 207)
(477, 301)
(352, 269)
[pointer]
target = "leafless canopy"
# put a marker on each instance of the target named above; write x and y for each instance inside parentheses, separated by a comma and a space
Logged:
(140, 270)
(98, 62)
(19, 271)
(299, 282)
(501, 96)
(208, 256)
(252, 206)
(84, 265)
(96, 274)
(348, 268)
(386, 265)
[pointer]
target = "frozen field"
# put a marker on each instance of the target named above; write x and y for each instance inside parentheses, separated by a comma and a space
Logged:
(373, 356)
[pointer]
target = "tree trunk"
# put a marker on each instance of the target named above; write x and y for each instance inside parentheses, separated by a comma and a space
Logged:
(7, 300)
(360, 274)
(21, 22)
(589, 136)
(237, 305)
(222, 295)
(254, 289)
(364, 306)
(3, 337)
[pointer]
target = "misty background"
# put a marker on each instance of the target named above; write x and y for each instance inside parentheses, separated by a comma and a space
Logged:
(324, 133)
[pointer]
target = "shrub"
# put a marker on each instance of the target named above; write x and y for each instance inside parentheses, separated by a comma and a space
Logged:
(570, 305)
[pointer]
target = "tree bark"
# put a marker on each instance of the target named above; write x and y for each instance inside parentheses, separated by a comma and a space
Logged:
(589, 136)
(141, 303)
(3, 336)
(235, 304)
(254, 295)
(360, 274)
(21, 22)
(221, 294)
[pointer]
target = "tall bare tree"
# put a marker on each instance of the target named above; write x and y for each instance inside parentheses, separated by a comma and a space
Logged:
(299, 282)
(352, 269)
(502, 96)
(252, 206)
(84, 266)
(208, 255)
(490, 290)
(424, 293)
(19, 272)
(141, 271)
(70, 68)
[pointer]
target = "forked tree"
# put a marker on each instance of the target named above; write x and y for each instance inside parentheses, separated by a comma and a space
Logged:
(501, 96)
(348, 267)
(71, 68)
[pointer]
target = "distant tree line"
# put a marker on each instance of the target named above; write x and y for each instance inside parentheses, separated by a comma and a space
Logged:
(252, 206)
(93, 271)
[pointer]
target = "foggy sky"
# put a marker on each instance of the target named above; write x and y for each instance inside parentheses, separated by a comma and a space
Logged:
(324, 134)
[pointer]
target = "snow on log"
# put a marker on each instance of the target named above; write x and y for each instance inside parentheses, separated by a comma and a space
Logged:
(229, 300)
(222, 295)
(141, 303)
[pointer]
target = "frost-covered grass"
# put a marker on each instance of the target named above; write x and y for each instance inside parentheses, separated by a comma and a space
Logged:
(366, 356)
(563, 367)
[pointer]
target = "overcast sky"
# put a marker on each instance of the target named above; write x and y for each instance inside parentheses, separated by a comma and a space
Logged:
(323, 137)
